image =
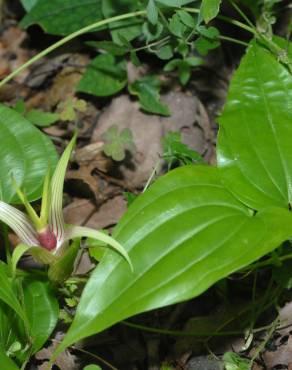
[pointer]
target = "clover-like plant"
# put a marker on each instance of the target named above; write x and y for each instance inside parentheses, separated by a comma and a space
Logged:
(46, 236)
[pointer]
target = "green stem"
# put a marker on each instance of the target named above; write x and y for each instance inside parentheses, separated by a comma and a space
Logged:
(69, 38)
(179, 333)
(241, 13)
(231, 39)
(226, 19)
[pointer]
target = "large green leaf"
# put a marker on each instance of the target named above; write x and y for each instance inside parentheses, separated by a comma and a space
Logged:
(254, 144)
(42, 310)
(61, 17)
(7, 292)
(25, 154)
(183, 234)
(6, 362)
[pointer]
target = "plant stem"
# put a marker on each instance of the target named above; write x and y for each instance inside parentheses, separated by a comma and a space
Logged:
(177, 332)
(69, 38)
(226, 19)
(231, 39)
(265, 341)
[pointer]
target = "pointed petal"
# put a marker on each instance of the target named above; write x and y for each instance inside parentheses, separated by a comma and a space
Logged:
(46, 199)
(56, 219)
(19, 223)
(80, 231)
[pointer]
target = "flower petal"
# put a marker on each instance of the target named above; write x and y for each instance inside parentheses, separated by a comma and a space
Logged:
(80, 231)
(19, 223)
(56, 219)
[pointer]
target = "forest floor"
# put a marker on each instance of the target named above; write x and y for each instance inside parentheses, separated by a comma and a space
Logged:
(217, 321)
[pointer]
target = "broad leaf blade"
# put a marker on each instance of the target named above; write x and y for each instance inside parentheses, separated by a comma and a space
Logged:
(24, 153)
(42, 310)
(61, 17)
(6, 362)
(7, 293)
(254, 144)
(182, 235)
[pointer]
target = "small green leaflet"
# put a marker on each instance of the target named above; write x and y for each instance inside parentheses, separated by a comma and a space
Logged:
(92, 367)
(233, 361)
(40, 118)
(147, 89)
(36, 116)
(105, 75)
(152, 12)
(209, 9)
(175, 3)
(175, 150)
(116, 143)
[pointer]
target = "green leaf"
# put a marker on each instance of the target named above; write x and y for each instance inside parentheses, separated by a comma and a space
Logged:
(104, 76)
(233, 361)
(176, 27)
(175, 3)
(109, 46)
(174, 149)
(184, 72)
(203, 45)
(6, 362)
(28, 4)
(152, 12)
(183, 234)
(42, 310)
(92, 367)
(128, 28)
(117, 142)
(187, 18)
(40, 118)
(61, 270)
(254, 149)
(147, 89)
(25, 153)
(209, 9)
(96, 248)
(20, 107)
(61, 17)
(194, 61)
(152, 32)
(7, 293)
(208, 40)
(164, 52)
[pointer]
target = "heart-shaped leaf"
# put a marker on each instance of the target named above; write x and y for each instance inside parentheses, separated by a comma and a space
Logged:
(25, 154)
(182, 235)
(254, 144)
